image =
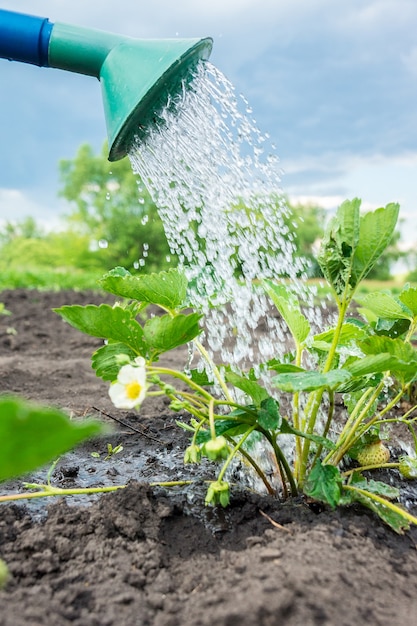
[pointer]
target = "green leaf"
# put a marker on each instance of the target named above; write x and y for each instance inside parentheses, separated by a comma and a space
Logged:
(392, 328)
(392, 517)
(232, 428)
(286, 429)
(310, 381)
(360, 383)
(283, 368)
(250, 387)
(165, 333)
(339, 244)
(349, 334)
(105, 360)
(375, 233)
(385, 305)
(374, 486)
(324, 483)
(289, 307)
(372, 364)
(107, 322)
(200, 378)
(408, 296)
(268, 415)
(166, 289)
(370, 317)
(31, 435)
(404, 356)
(352, 244)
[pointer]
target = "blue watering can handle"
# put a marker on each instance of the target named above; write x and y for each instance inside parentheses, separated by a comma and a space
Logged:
(24, 38)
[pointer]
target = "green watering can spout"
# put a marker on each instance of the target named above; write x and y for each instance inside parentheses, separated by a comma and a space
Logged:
(137, 76)
(137, 79)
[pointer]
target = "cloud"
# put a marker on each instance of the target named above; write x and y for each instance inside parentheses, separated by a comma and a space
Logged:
(16, 205)
(332, 82)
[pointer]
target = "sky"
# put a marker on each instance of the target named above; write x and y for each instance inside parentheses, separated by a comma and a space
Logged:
(334, 83)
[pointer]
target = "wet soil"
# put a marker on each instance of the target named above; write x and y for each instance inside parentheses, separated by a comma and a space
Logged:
(148, 556)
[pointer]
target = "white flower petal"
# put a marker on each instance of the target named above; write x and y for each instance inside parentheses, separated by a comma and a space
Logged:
(129, 390)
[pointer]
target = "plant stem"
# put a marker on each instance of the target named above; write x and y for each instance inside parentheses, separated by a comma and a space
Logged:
(352, 416)
(176, 374)
(315, 398)
(345, 438)
(211, 420)
(281, 459)
(47, 490)
(214, 369)
(356, 432)
(256, 467)
(413, 434)
(326, 428)
(234, 451)
(365, 468)
(296, 413)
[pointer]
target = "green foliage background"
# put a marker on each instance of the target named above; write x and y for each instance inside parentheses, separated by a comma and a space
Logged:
(112, 221)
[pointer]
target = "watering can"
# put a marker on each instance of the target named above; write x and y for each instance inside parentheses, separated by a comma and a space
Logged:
(136, 75)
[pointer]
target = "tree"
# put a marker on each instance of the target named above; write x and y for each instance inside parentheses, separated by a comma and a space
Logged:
(306, 224)
(62, 250)
(26, 228)
(114, 209)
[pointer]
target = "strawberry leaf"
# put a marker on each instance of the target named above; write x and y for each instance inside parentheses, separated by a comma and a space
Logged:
(289, 307)
(324, 483)
(165, 333)
(32, 435)
(250, 387)
(114, 323)
(166, 289)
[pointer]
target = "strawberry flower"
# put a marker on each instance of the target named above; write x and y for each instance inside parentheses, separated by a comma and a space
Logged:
(129, 390)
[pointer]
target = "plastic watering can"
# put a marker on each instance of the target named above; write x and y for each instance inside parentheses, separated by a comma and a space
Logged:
(136, 75)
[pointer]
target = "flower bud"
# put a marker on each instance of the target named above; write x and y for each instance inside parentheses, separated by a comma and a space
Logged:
(176, 405)
(192, 454)
(218, 493)
(169, 389)
(122, 359)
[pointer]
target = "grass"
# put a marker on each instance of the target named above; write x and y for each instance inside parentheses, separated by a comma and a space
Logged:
(54, 279)
(394, 285)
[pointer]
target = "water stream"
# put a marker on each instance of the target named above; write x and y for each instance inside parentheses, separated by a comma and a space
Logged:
(215, 179)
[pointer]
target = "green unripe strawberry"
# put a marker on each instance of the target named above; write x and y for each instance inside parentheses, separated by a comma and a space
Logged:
(374, 454)
(4, 574)
(408, 467)
(216, 449)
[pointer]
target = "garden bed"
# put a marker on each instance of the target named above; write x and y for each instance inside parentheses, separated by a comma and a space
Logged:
(151, 556)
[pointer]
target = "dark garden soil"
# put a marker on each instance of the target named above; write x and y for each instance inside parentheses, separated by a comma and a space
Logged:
(148, 556)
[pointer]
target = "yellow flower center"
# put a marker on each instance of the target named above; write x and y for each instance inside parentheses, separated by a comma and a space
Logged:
(133, 390)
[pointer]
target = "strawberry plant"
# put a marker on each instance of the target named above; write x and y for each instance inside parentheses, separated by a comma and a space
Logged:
(366, 359)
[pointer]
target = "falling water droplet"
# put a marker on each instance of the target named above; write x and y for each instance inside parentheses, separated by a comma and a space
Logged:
(215, 180)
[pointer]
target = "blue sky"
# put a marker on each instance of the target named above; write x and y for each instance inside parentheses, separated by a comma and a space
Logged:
(334, 83)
